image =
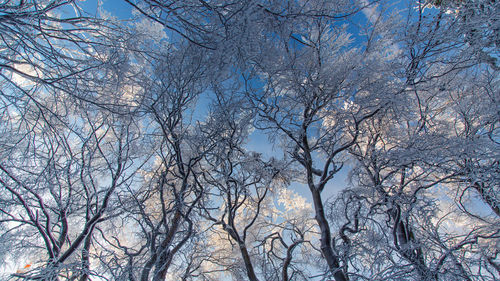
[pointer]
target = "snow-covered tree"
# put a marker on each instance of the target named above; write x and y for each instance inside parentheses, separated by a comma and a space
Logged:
(127, 144)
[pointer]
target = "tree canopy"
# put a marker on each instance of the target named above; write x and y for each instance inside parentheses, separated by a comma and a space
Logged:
(125, 140)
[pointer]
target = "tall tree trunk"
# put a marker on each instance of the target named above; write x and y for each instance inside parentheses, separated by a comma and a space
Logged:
(326, 238)
(248, 263)
(86, 257)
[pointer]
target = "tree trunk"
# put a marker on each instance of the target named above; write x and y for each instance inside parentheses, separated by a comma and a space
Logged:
(248, 263)
(326, 238)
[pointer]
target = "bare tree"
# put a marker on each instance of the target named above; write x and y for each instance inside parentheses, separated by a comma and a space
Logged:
(161, 212)
(112, 167)
(312, 100)
(239, 179)
(52, 180)
(415, 152)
